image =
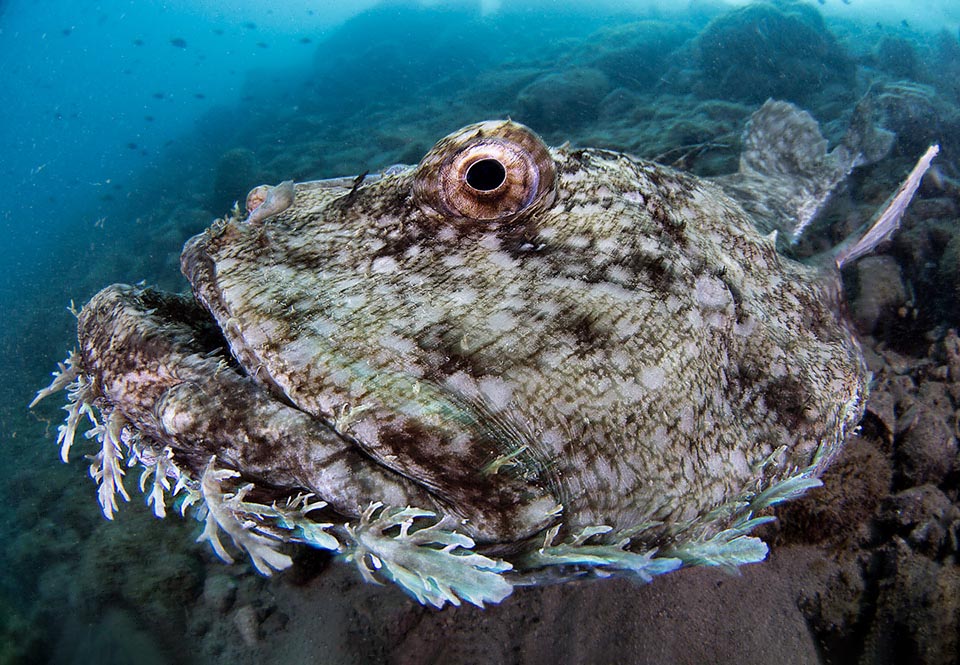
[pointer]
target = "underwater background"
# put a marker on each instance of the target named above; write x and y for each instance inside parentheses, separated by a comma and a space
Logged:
(127, 127)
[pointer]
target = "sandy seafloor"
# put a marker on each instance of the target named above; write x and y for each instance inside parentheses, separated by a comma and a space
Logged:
(862, 570)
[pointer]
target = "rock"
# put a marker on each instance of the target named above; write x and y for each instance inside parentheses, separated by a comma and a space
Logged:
(936, 395)
(835, 611)
(951, 347)
(897, 57)
(881, 404)
(853, 487)
(619, 103)
(219, 592)
(761, 51)
(926, 449)
(924, 517)
(633, 55)
(114, 637)
(881, 292)
(698, 616)
(914, 113)
(559, 100)
(166, 580)
(248, 625)
(917, 617)
(948, 275)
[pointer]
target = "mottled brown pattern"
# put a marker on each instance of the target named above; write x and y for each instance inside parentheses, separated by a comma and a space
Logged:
(624, 348)
(641, 339)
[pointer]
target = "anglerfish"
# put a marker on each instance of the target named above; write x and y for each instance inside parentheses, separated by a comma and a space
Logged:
(508, 364)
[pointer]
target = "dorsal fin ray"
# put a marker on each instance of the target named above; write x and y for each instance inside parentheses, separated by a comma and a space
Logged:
(887, 219)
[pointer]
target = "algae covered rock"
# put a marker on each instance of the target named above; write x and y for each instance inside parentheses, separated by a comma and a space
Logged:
(635, 55)
(898, 57)
(560, 99)
(761, 51)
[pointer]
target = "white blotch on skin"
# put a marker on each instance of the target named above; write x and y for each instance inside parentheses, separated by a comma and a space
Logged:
(453, 260)
(502, 260)
(564, 407)
(608, 245)
(323, 327)
(462, 383)
(490, 241)
(686, 422)
(355, 301)
(619, 274)
(366, 431)
(626, 327)
(629, 390)
(613, 290)
(716, 320)
(497, 391)
(652, 377)
(501, 321)
(401, 345)
(552, 439)
(673, 304)
(711, 293)
(463, 297)
(300, 352)
(446, 234)
(659, 438)
(745, 327)
(384, 265)
(459, 444)
(549, 308)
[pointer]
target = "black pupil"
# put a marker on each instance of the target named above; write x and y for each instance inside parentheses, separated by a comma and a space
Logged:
(486, 175)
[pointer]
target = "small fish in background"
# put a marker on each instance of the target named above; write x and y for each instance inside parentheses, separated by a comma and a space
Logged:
(132, 146)
(218, 31)
(138, 42)
(305, 40)
(263, 45)
(148, 118)
(179, 42)
(159, 95)
(199, 95)
(249, 25)
(66, 32)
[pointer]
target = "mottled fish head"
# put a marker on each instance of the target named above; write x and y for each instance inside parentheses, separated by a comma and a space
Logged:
(528, 331)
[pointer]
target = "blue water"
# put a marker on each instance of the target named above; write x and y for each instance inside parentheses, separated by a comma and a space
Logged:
(126, 127)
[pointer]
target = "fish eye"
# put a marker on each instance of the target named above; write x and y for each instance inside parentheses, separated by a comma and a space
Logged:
(491, 171)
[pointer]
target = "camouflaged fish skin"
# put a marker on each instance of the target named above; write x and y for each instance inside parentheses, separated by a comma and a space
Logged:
(622, 349)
